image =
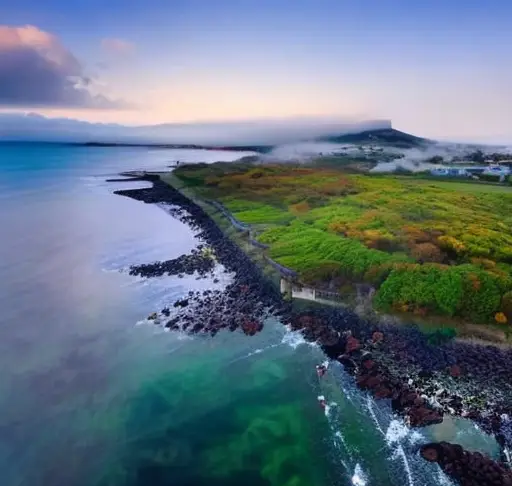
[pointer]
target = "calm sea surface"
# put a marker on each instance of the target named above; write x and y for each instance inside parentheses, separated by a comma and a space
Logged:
(91, 395)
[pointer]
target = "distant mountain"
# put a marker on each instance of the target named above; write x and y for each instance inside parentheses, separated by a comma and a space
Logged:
(383, 136)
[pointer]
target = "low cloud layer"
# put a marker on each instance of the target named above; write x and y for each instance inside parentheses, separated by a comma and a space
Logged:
(36, 127)
(36, 70)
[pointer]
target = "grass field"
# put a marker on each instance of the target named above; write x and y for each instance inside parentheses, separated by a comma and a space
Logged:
(469, 186)
(430, 247)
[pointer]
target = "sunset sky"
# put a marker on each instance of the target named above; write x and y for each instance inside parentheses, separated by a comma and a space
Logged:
(436, 68)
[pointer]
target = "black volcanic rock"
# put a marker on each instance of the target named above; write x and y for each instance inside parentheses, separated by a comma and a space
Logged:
(467, 468)
(185, 264)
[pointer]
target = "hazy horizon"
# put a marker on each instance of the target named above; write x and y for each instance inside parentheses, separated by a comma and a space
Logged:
(32, 127)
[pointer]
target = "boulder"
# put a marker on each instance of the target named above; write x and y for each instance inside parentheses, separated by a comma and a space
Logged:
(377, 337)
(466, 468)
(369, 364)
(352, 345)
(382, 392)
(172, 323)
(455, 371)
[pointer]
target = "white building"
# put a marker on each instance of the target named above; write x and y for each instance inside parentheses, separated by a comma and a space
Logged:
(497, 170)
(450, 172)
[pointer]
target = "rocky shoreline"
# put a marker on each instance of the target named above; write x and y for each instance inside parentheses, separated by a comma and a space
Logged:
(421, 381)
(196, 261)
(243, 304)
(467, 468)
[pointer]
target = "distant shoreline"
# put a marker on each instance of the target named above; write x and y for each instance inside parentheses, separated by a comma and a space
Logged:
(231, 148)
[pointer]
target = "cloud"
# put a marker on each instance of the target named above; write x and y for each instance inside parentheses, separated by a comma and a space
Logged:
(36, 70)
(117, 46)
(15, 126)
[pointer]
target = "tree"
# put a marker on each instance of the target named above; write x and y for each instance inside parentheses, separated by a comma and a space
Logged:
(436, 159)
(477, 156)
(427, 252)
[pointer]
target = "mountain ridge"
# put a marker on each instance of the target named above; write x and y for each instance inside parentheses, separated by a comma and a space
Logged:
(381, 136)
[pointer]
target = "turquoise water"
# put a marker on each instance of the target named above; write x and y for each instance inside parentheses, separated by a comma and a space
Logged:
(91, 395)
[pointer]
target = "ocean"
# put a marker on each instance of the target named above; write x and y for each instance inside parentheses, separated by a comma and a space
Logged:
(92, 394)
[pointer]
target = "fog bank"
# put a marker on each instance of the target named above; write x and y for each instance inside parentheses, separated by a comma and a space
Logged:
(33, 127)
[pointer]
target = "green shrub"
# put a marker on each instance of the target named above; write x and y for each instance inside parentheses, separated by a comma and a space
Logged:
(506, 305)
(377, 274)
(482, 296)
(303, 247)
(449, 292)
(489, 177)
(410, 285)
(323, 272)
(465, 291)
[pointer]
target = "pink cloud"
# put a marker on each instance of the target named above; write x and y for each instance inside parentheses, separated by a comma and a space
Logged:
(45, 44)
(36, 69)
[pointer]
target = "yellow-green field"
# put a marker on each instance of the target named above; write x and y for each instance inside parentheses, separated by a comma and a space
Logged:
(430, 247)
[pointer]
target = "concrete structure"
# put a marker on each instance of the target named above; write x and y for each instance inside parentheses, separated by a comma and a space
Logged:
(468, 171)
(286, 289)
(294, 291)
(497, 170)
(451, 171)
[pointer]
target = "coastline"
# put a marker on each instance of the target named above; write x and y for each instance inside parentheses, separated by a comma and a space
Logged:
(386, 360)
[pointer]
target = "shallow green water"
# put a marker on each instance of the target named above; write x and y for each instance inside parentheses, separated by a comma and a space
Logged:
(237, 410)
(228, 410)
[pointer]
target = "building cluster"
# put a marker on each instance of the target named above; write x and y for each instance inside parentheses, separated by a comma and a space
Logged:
(500, 171)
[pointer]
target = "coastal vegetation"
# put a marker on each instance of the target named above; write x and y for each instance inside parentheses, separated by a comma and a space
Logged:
(428, 247)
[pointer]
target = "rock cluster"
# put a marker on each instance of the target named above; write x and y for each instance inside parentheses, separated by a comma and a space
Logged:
(473, 381)
(195, 262)
(128, 179)
(210, 311)
(356, 355)
(467, 468)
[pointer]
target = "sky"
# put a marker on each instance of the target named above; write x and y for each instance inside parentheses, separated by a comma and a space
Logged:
(435, 68)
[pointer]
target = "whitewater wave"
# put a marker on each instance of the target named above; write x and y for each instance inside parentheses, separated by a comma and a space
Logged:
(443, 479)
(338, 435)
(329, 407)
(397, 432)
(253, 353)
(294, 339)
(359, 478)
(399, 440)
